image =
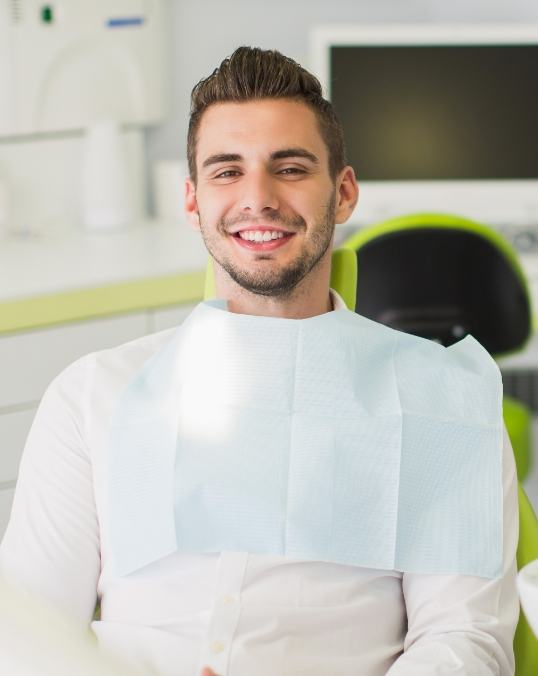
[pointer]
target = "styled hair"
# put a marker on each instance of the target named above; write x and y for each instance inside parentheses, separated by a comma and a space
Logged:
(250, 74)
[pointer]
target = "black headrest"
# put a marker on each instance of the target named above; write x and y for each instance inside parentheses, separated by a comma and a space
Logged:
(442, 284)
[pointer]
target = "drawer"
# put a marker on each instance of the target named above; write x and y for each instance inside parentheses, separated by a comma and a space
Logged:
(14, 428)
(166, 318)
(6, 498)
(30, 360)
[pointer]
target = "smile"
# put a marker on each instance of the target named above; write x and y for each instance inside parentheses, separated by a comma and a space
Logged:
(258, 236)
(262, 240)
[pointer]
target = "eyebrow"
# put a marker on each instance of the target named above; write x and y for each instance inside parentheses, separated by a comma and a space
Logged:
(283, 154)
(294, 152)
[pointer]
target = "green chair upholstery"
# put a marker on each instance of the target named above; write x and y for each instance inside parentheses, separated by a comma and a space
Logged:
(517, 418)
(441, 277)
(525, 642)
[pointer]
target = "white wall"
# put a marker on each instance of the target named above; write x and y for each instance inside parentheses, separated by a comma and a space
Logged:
(206, 31)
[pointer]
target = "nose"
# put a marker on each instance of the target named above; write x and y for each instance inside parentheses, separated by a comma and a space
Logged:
(259, 193)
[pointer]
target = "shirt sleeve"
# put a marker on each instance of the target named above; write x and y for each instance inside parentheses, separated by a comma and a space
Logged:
(51, 545)
(464, 625)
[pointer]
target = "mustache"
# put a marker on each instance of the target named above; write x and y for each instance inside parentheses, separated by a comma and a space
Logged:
(294, 222)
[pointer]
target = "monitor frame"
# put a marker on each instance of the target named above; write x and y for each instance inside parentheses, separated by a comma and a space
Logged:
(498, 202)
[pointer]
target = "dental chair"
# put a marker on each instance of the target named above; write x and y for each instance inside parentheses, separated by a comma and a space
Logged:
(442, 277)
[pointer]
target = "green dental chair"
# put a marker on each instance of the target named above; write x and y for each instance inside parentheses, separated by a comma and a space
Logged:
(432, 275)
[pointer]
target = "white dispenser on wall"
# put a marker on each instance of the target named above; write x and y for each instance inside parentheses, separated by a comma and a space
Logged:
(64, 65)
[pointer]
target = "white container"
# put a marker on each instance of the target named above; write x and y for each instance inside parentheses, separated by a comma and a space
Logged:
(106, 199)
(4, 207)
(169, 189)
(527, 582)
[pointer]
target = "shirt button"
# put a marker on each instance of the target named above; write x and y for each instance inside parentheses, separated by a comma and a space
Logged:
(216, 647)
(227, 600)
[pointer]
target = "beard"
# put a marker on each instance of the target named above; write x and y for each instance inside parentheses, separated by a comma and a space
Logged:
(277, 283)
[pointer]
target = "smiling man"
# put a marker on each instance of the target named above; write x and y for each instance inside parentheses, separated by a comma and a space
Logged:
(268, 183)
(280, 486)
(266, 200)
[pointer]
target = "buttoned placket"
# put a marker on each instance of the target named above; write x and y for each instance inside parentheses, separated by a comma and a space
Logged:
(226, 612)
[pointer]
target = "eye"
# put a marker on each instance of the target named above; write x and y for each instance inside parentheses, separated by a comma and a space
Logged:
(291, 170)
(227, 173)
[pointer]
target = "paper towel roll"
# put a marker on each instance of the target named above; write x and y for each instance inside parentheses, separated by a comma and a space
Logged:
(105, 186)
(169, 189)
(4, 207)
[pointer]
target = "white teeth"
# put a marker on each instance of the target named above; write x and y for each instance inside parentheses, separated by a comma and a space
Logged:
(259, 236)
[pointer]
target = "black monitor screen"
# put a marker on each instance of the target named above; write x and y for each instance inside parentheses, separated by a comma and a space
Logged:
(441, 112)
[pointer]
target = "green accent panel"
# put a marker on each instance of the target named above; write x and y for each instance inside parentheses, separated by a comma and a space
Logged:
(344, 275)
(518, 424)
(210, 289)
(57, 308)
(525, 642)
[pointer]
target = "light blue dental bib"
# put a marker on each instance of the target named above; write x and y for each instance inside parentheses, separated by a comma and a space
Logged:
(332, 438)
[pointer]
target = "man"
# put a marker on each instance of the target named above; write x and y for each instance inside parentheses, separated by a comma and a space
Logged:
(280, 486)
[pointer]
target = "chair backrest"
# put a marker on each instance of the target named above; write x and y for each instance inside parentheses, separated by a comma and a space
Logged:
(442, 277)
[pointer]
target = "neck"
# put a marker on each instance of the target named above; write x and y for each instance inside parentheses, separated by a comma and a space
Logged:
(310, 297)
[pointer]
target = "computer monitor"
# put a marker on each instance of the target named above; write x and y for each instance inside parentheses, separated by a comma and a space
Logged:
(437, 118)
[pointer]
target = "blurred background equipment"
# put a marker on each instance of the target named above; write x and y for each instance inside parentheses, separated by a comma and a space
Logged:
(69, 63)
(437, 118)
(65, 67)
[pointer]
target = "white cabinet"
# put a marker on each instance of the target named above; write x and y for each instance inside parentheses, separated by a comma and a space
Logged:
(6, 498)
(30, 360)
(13, 432)
(166, 318)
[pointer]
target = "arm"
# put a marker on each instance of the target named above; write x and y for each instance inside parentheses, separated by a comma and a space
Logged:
(51, 546)
(464, 625)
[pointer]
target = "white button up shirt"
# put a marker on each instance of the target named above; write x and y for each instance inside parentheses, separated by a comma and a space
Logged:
(241, 614)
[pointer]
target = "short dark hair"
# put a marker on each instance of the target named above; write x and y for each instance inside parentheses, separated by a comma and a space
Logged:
(252, 73)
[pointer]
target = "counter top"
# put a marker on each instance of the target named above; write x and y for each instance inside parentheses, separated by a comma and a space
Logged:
(62, 276)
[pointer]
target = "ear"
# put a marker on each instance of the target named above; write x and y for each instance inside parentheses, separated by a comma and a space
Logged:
(191, 204)
(347, 194)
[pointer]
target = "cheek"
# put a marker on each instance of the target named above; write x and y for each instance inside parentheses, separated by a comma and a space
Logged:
(215, 205)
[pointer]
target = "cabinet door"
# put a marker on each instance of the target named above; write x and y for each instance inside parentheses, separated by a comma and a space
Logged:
(6, 498)
(166, 318)
(14, 428)
(30, 360)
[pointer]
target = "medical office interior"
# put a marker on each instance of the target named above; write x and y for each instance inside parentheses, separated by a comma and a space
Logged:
(94, 101)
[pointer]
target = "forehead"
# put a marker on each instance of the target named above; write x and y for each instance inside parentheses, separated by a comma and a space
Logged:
(254, 128)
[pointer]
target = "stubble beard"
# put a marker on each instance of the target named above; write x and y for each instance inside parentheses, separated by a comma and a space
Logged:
(279, 283)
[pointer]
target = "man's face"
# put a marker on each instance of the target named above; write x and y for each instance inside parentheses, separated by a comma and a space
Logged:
(264, 196)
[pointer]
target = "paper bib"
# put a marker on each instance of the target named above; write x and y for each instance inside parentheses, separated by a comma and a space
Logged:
(332, 438)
